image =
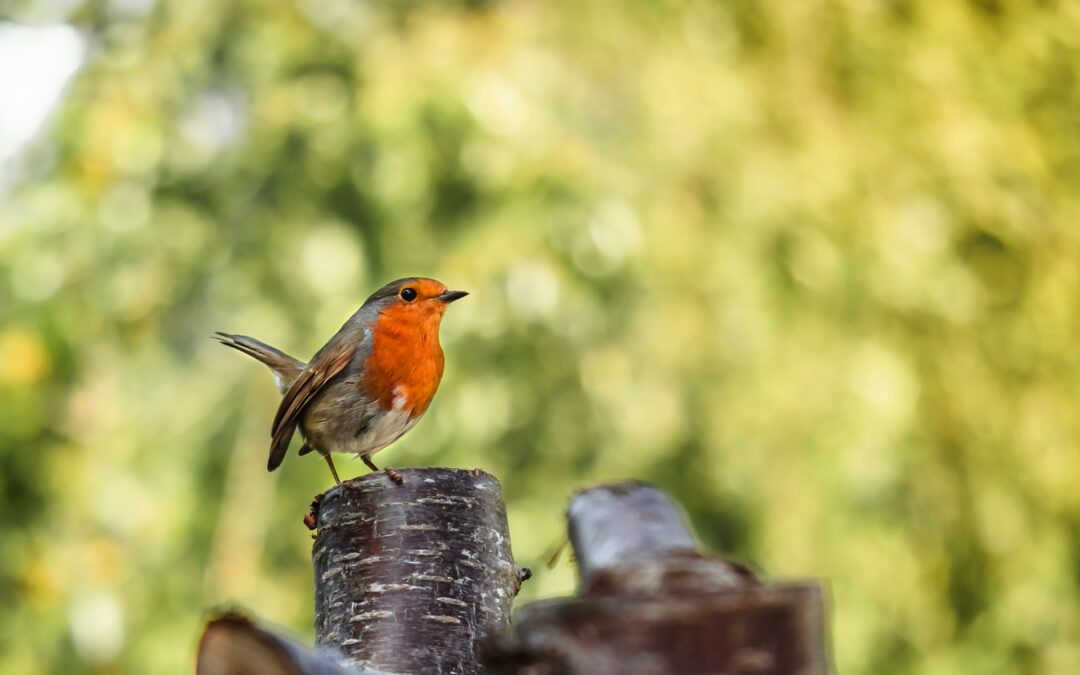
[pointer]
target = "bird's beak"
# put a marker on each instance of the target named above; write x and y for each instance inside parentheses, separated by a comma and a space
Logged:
(450, 296)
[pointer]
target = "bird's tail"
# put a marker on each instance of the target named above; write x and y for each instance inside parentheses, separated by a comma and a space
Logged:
(286, 368)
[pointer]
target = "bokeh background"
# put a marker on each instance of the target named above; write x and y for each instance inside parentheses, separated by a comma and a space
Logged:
(813, 267)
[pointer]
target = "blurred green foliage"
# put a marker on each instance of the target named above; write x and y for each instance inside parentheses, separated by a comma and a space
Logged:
(813, 267)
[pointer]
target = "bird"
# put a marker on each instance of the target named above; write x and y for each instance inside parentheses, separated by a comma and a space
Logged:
(369, 384)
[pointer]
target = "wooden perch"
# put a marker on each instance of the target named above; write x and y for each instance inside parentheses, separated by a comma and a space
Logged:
(409, 578)
(650, 603)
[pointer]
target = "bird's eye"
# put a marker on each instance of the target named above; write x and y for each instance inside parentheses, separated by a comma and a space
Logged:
(408, 294)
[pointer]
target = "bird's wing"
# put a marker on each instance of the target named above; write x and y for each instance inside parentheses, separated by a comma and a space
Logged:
(323, 367)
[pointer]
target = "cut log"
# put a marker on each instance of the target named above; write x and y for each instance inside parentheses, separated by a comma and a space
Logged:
(651, 604)
(409, 578)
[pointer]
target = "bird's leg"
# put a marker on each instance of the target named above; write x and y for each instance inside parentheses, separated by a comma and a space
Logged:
(330, 463)
(393, 475)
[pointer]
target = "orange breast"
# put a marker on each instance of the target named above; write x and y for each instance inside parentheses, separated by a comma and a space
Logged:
(406, 360)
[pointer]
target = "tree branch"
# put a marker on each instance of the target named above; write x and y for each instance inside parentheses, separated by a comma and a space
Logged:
(232, 644)
(650, 603)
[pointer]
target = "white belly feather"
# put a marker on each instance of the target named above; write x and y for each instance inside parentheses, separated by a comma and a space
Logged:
(387, 429)
(330, 430)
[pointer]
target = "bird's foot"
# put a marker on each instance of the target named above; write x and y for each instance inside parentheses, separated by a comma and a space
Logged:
(390, 473)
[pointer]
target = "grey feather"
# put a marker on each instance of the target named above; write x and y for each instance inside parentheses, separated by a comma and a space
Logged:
(284, 367)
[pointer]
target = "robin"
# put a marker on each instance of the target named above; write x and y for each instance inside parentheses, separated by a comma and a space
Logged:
(369, 384)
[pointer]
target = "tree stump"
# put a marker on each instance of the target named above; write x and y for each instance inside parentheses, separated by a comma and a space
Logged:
(409, 578)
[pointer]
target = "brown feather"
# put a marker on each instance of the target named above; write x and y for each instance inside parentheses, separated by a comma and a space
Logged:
(318, 373)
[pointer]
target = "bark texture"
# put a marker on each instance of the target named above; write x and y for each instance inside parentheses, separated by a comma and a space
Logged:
(650, 604)
(232, 644)
(409, 578)
(766, 630)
